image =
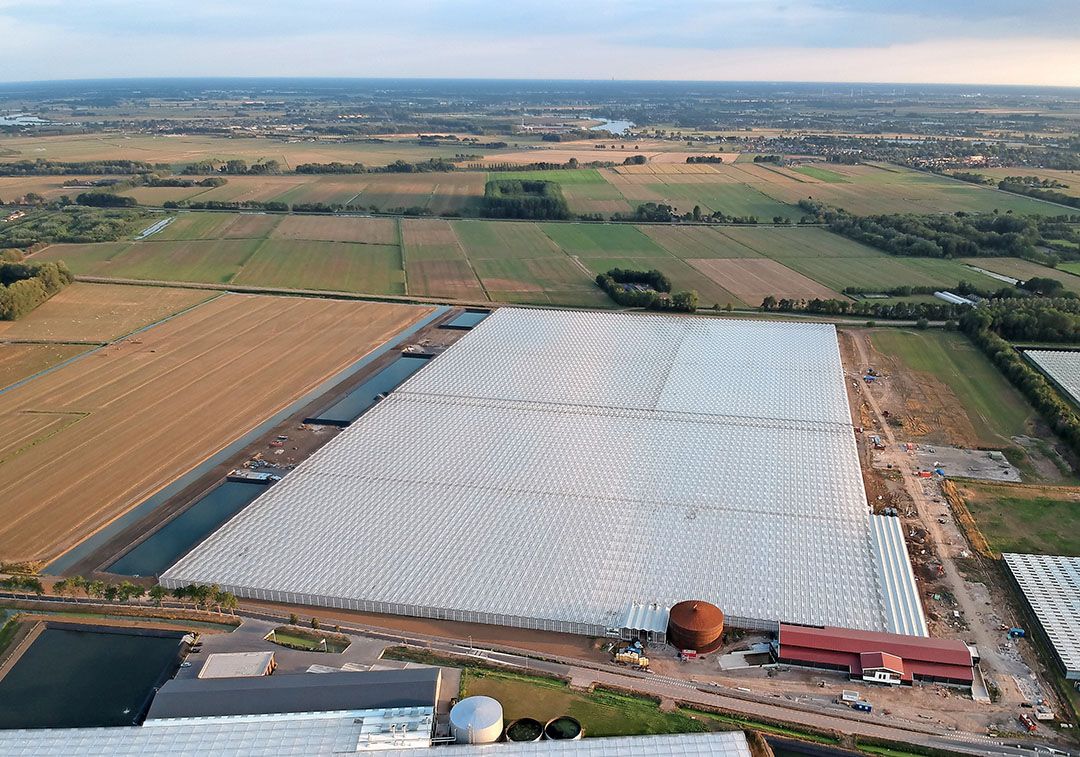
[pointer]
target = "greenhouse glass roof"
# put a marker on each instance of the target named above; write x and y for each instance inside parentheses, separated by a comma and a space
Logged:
(554, 468)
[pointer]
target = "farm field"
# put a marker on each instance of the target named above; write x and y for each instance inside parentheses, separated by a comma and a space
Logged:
(340, 266)
(935, 360)
(184, 149)
(871, 189)
(753, 279)
(694, 242)
(1023, 270)
(18, 361)
(147, 410)
(203, 260)
(49, 187)
(1042, 520)
(881, 271)
(1071, 178)
(435, 263)
(99, 312)
(330, 229)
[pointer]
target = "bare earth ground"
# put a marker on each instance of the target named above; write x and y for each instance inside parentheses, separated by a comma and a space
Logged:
(142, 411)
(18, 361)
(99, 312)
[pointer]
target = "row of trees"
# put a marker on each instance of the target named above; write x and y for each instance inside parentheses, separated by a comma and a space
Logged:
(1031, 319)
(398, 166)
(980, 326)
(534, 200)
(235, 167)
(1038, 191)
(907, 311)
(272, 205)
(645, 289)
(705, 159)
(64, 168)
(200, 596)
(105, 200)
(24, 286)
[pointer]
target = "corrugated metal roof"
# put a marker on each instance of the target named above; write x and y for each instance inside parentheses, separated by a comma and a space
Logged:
(903, 608)
(329, 735)
(1051, 585)
(1063, 366)
(561, 466)
(651, 617)
(278, 694)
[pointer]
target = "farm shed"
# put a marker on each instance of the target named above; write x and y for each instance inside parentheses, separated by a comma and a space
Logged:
(554, 468)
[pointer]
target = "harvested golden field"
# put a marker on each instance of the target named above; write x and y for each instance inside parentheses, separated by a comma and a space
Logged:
(136, 414)
(49, 187)
(754, 279)
(331, 229)
(18, 361)
(99, 312)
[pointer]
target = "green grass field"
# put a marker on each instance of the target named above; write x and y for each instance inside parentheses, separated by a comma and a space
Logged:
(728, 198)
(212, 261)
(339, 266)
(1021, 269)
(882, 271)
(587, 240)
(694, 242)
(821, 174)
(995, 408)
(1043, 520)
(601, 712)
(784, 243)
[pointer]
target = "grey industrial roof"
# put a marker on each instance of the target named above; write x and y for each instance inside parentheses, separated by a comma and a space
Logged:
(563, 466)
(211, 697)
(903, 608)
(275, 736)
(236, 664)
(1051, 585)
(1063, 366)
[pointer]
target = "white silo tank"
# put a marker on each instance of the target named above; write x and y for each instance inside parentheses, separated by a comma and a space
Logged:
(477, 720)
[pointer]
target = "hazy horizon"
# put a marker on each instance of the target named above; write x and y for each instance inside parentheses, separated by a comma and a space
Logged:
(967, 42)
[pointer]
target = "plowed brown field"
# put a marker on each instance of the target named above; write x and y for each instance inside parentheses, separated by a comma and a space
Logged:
(121, 423)
(754, 279)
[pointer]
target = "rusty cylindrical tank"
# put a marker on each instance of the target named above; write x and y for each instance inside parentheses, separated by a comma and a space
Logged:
(695, 624)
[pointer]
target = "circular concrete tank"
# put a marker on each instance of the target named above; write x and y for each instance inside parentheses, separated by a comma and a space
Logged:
(525, 729)
(564, 728)
(695, 625)
(477, 720)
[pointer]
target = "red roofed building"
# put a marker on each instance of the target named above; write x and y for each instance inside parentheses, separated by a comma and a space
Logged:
(874, 656)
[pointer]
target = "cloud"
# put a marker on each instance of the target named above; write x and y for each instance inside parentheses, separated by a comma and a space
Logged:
(835, 40)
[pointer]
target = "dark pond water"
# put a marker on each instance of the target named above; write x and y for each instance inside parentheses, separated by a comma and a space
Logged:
(78, 678)
(357, 402)
(183, 532)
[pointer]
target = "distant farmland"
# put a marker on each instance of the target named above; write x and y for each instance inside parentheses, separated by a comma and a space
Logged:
(135, 415)
(503, 261)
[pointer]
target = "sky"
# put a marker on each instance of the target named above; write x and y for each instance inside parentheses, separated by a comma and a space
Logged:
(947, 41)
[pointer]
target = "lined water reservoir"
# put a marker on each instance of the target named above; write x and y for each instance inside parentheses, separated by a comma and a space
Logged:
(79, 676)
(169, 543)
(356, 403)
(467, 320)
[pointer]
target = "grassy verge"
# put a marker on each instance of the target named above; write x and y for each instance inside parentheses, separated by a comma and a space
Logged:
(7, 633)
(739, 723)
(997, 411)
(601, 712)
(1043, 520)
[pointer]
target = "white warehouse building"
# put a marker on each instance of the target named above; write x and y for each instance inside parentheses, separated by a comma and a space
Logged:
(574, 471)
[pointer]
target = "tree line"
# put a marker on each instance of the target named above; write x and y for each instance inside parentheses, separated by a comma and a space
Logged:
(63, 168)
(72, 224)
(24, 286)
(431, 165)
(528, 199)
(1045, 321)
(645, 289)
(951, 236)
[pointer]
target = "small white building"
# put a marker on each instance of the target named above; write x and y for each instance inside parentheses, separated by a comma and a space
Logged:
(238, 665)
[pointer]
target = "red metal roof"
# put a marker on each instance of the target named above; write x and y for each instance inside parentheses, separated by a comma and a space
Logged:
(919, 656)
(873, 660)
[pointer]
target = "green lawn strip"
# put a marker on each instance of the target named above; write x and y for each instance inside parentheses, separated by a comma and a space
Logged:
(333, 266)
(86, 259)
(193, 225)
(601, 240)
(996, 409)
(7, 633)
(741, 723)
(601, 712)
(821, 174)
(559, 176)
(212, 261)
(1016, 519)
